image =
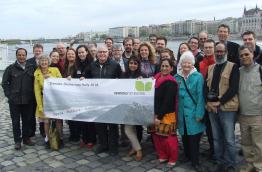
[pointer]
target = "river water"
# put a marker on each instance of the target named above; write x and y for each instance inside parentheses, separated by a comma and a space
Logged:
(173, 45)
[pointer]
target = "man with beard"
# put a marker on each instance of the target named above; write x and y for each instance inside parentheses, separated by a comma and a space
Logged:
(128, 44)
(161, 43)
(249, 39)
(222, 105)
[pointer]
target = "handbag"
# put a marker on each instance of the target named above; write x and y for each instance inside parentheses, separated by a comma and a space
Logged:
(53, 136)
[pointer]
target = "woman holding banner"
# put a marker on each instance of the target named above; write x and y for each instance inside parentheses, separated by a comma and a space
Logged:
(43, 72)
(165, 107)
(87, 129)
(132, 131)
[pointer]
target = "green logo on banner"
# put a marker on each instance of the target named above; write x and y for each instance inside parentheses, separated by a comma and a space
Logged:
(141, 86)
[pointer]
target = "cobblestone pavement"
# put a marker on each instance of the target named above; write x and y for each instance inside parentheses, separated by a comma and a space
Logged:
(76, 159)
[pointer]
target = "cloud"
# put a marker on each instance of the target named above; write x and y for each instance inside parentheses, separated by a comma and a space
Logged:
(60, 18)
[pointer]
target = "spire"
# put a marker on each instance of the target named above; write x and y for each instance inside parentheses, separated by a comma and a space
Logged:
(245, 9)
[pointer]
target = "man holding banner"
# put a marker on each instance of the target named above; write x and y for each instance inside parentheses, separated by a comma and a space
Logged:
(103, 67)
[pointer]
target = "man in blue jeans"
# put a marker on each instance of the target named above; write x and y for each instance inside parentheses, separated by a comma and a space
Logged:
(222, 105)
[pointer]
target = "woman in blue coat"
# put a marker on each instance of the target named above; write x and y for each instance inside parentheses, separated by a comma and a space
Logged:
(191, 107)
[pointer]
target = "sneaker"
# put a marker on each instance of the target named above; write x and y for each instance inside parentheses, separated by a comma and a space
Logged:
(17, 146)
(171, 164)
(28, 142)
(162, 160)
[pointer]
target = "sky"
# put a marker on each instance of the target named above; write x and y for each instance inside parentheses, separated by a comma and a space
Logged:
(32, 19)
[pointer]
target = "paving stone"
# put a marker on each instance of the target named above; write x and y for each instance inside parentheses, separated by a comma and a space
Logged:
(89, 153)
(156, 170)
(114, 170)
(21, 164)
(6, 163)
(137, 169)
(134, 163)
(28, 151)
(60, 157)
(82, 162)
(56, 164)
(94, 164)
(98, 170)
(18, 159)
(102, 155)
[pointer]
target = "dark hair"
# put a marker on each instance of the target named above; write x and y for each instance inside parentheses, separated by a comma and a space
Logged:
(137, 73)
(38, 46)
(71, 70)
(109, 38)
(92, 43)
(210, 41)
(248, 32)
(88, 59)
(19, 50)
(242, 47)
(171, 63)
(152, 35)
(225, 26)
(178, 53)
(194, 37)
(170, 52)
(53, 51)
(128, 39)
(161, 38)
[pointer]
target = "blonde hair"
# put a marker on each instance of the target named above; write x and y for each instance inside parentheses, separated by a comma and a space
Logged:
(152, 52)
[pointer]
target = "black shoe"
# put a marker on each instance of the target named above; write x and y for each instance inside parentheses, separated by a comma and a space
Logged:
(198, 168)
(113, 152)
(101, 149)
(28, 142)
(17, 146)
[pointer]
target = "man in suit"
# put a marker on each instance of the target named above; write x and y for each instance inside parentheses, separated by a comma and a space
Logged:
(223, 33)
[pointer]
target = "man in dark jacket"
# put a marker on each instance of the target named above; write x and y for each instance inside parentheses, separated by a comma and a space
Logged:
(249, 39)
(18, 85)
(103, 67)
(223, 32)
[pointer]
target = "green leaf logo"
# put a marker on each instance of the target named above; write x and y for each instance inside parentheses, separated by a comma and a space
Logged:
(139, 86)
(148, 86)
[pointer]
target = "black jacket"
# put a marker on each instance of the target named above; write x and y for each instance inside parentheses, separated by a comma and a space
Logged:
(110, 69)
(232, 53)
(18, 83)
(258, 55)
(32, 62)
(82, 70)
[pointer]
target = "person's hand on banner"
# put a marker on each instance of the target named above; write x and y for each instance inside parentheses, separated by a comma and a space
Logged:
(69, 78)
(82, 78)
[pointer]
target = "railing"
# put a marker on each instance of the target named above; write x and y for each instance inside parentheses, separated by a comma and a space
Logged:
(4, 61)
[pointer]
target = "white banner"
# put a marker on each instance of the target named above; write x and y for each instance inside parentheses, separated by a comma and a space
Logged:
(120, 101)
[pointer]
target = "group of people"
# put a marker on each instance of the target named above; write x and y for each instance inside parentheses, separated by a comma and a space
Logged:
(205, 88)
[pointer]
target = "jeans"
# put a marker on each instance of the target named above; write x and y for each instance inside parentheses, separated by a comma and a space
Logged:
(223, 127)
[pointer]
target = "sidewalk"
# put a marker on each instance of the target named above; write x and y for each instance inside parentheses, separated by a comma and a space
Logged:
(72, 158)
